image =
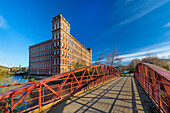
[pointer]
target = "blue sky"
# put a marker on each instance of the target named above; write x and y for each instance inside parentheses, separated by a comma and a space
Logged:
(135, 26)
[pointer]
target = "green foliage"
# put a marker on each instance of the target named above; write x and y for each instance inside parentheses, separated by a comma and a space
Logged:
(29, 79)
(95, 73)
(131, 70)
(33, 80)
(78, 73)
(3, 103)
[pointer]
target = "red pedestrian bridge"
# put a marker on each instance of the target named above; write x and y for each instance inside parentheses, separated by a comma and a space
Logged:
(97, 88)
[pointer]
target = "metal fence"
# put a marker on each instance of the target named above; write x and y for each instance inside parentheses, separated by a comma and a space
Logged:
(36, 95)
(156, 83)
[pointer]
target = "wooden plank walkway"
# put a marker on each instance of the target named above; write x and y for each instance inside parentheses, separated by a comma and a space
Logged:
(120, 95)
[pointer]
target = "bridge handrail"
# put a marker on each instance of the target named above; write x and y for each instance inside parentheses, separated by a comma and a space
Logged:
(163, 72)
(90, 76)
(156, 82)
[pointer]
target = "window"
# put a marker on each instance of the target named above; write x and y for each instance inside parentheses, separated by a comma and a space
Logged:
(63, 53)
(58, 25)
(58, 61)
(62, 44)
(58, 44)
(54, 26)
(62, 69)
(62, 25)
(48, 46)
(68, 40)
(58, 52)
(62, 61)
(65, 62)
(54, 44)
(54, 70)
(54, 61)
(63, 36)
(54, 36)
(58, 37)
(66, 28)
(57, 69)
(54, 53)
(65, 46)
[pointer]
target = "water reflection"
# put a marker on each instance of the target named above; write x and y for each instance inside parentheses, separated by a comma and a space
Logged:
(7, 79)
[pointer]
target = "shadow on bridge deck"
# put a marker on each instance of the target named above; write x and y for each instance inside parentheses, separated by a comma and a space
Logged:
(122, 94)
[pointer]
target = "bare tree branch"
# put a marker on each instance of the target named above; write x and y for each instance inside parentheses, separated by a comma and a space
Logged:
(100, 59)
(113, 57)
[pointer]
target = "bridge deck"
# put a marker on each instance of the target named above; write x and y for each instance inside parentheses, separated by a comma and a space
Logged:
(120, 95)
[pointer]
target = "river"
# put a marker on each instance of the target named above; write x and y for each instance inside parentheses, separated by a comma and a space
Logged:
(5, 80)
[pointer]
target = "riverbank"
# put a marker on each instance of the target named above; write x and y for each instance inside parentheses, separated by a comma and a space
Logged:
(37, 76)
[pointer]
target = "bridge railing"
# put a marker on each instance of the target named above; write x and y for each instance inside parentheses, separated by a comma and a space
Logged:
(40, 94)
(156, 83)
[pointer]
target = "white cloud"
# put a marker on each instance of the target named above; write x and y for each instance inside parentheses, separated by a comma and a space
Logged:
(167, 25)
(161, 49)
(131, 10)
(3, 22)
(145, 9)
(157, 50)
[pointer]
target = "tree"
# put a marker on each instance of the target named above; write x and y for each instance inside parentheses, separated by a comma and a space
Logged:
(78, 64)
(100, 59)
(152, 58)
(133, 64)
(113, 57)
(119, 64)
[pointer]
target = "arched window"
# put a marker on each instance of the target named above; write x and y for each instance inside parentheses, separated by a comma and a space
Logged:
(66, 28)
(58, 52)
(65, 37)
(62, 35)
(54, 61)
(54, 44)
(55, 26)
(58, 36)
(62, 53)
(58, 43)
(58, 61)
(58, 25)
(62, 45)
(54, 36)
(65, 46)
(62, 25)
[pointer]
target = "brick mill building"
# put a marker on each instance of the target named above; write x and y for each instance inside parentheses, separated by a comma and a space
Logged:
(59, 54)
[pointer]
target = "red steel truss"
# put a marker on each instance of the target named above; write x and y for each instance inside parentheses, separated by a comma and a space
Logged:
(35, 95)
(156, 83)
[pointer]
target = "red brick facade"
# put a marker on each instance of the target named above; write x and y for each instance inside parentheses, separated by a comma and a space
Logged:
(59, 54)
